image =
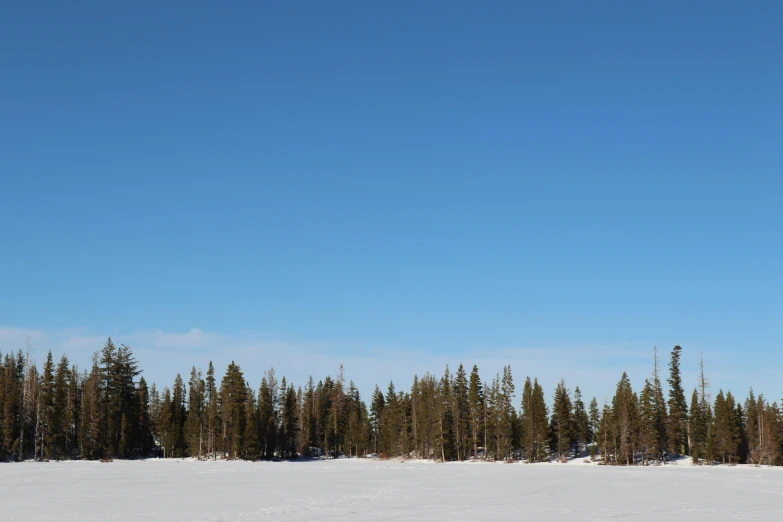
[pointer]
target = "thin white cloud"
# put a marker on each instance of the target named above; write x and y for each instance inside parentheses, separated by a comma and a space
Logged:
(595, 369)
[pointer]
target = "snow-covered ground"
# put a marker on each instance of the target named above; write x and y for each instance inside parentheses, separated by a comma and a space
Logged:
(365, 489)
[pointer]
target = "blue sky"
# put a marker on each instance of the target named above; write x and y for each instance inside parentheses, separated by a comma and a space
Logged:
(561, 187)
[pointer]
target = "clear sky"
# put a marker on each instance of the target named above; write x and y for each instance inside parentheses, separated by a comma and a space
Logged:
(560, 186)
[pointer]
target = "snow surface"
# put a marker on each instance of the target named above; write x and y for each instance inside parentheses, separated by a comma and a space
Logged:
(364, 489)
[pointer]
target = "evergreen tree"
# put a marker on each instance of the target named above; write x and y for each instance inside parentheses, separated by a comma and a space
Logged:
(376, 416)
(595, 420)
(267, 414)
(461, 413)
(562, 422)
(45, 416)
(309, 418)
(476, 406)
(697, 429)
(144, 443)
(581, 423)
(659, 421)
(60, 422)
(212, 413)
(251, 448)
(727, 428)
(166, 424)
(678, 408)
(178, 417)
(233, 393)
(624, 414)
(534, 421)
(194, 426)
(606, 435)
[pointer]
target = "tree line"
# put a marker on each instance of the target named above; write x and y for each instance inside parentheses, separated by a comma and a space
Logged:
(109, 411)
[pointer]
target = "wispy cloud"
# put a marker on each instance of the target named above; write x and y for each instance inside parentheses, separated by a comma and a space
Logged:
(595, 368)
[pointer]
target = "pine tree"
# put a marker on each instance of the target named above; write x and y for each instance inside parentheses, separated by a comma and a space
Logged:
(290, 422)
(267, 414)
(581, 422)
(194, 427)
(534, 420)
(476, 406)
(166, 427)
(660, 418)
(145, 441)
(108, 407)
(624, 413)
(212, 413)
(60, 410)
(309, 418)
(461, 413)
(562, 422)
(606, 436)
(595, 420)
(647, 432)
(178, 417)
(678, 408)
(505, 428)
(727, 429)
(251, 448)
(697, 429)
(11, 391)
(233, 408)
(46, 416)
(376, 416)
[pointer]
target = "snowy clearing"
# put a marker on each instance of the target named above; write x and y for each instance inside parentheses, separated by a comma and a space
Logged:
(365, 489)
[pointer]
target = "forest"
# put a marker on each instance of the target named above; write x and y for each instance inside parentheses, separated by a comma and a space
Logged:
(110, 411)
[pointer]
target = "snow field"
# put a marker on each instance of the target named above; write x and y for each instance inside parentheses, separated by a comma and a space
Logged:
(353, 489)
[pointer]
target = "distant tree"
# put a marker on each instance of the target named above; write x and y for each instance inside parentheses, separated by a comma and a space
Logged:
(233, 408)
(581, 423)
(212, 412)
(678, 409)
(251, 449)
(45, 415)
(60, 428)
(461, 412)
(476, 407)
(595, 420)
(624, 413)
(727, 428)
(194, 425)
(145, 426)
(606, 435)
(562, 422)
